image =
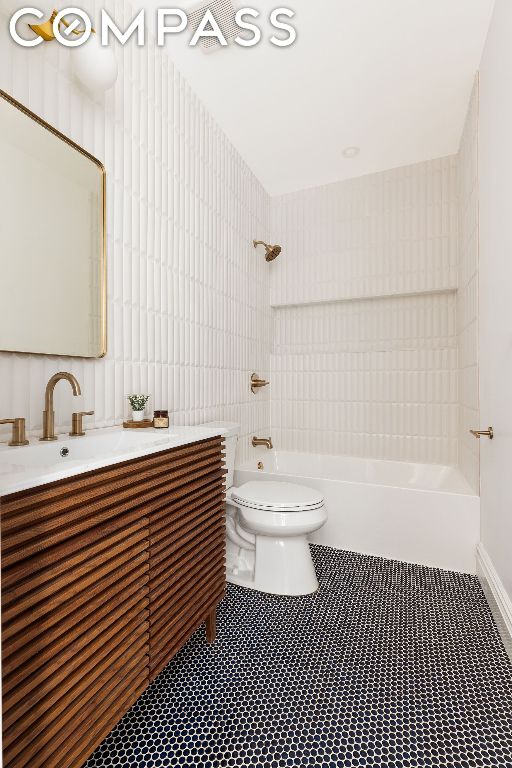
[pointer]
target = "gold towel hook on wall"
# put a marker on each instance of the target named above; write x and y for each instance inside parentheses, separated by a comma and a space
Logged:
(478, 433)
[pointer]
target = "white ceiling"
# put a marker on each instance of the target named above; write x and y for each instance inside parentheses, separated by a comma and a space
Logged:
(390, 76)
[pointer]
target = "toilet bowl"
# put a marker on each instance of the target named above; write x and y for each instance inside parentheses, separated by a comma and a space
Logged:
(267, 524)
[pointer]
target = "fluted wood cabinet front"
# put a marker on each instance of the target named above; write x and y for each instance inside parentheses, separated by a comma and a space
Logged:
(187, 564)
(104, 577)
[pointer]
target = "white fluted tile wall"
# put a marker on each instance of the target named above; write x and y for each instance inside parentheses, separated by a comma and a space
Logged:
(364, 357)
(467, 298)
(387, 233)
(358, 365)
(371, 377)
(189, 317)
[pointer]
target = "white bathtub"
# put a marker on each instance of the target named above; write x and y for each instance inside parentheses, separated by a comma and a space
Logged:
(420, 513)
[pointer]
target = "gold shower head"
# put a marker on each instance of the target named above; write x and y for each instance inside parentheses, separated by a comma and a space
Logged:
(272, 251)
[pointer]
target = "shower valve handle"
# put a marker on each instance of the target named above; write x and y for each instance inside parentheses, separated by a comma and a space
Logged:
(256, 383)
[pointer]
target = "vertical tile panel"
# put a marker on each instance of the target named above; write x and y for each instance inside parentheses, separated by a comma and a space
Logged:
(370, 377)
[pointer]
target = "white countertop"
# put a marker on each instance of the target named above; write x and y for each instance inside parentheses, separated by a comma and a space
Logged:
(40, 463)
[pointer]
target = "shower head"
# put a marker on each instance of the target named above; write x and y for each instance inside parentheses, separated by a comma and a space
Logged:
(272, 251)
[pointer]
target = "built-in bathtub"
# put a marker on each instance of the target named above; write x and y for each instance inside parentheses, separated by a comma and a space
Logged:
(420, 513)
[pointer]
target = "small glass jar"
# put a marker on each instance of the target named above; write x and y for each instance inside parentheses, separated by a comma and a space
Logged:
(161, 419)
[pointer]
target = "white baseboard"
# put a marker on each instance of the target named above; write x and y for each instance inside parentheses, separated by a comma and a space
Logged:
(497, 597)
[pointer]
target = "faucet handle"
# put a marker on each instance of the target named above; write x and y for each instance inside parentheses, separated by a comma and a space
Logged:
(18, 436)
(77, 428)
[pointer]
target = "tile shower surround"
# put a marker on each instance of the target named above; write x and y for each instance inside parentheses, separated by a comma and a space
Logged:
(364, 357)
(388, 233)
(188, 312)
(368, 378)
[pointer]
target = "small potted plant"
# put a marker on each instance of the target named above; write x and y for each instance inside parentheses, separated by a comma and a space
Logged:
(138, 404)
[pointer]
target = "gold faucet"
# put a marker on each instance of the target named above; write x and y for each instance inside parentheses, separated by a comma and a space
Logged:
(48, 413)
(266, 441)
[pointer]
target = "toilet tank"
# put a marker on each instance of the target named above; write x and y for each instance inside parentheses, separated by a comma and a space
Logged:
(230, 430)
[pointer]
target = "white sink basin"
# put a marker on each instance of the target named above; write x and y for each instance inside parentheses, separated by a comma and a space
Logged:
(41, 462)
(89, 447)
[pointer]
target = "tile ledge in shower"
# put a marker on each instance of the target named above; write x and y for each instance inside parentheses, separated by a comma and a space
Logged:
(364, 297)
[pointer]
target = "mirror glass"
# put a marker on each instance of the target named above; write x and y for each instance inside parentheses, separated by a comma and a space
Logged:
(52, 241)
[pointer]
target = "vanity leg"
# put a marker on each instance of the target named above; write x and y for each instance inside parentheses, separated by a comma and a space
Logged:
(211, 626)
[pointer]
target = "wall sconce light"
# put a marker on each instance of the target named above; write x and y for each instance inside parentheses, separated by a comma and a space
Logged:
(93, 64)
(45, 29)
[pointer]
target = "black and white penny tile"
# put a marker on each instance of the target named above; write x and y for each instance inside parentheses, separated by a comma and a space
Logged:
(388, 665)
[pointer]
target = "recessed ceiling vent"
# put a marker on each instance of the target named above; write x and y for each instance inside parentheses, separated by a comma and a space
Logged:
(224, 14)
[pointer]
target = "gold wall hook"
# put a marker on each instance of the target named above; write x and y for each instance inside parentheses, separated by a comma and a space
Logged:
(256, 383)
(478, 433)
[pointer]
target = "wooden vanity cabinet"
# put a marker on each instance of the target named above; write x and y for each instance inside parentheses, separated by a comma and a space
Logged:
(186, 553)
(105, 576)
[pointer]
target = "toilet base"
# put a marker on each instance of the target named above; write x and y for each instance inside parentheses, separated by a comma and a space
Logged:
(241, 579)
(278, 566)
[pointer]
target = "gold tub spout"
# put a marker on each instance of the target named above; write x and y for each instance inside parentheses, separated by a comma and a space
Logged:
(266, 441)
(49, 413)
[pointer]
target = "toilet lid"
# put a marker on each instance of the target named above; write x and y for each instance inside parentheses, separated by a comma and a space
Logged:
(277, 497)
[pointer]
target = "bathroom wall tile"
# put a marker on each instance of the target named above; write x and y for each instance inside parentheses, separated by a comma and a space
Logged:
(364, 311)
(188, 301)
(372, 352)
(373, 377)
(387, 233)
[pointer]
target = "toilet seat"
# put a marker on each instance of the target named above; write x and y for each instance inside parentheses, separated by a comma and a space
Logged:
(274, 496)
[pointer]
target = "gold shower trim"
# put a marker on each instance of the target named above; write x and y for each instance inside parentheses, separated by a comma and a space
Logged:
(256, 383)
(271, 251)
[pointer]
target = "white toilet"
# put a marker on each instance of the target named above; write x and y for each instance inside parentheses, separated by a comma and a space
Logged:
(267, 527)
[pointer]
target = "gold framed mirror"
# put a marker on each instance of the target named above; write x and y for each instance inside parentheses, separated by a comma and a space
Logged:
(52, 240)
